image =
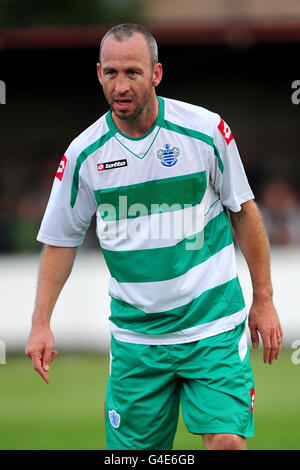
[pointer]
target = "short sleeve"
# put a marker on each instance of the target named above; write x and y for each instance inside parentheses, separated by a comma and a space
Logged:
(227, 173)
(65, 223)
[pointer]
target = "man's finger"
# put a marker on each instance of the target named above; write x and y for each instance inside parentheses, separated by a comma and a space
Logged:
(276, 343)
(53, 354)
(279, 340)
(47, 358)
(274, 347)
(267, 348)
(37, 365)
(254, 337)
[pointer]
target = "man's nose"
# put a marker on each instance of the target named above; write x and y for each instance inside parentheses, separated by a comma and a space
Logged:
(121, 85)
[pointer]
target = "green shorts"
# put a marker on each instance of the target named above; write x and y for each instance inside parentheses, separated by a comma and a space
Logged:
(211, 379)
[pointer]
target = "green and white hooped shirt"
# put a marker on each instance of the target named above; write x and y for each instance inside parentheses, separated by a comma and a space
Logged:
(161, 221)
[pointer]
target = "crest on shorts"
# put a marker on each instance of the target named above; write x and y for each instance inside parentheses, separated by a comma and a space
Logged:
(114, 418)
(168, 156)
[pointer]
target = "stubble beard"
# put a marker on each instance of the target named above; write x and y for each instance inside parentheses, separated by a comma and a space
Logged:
(137, 112)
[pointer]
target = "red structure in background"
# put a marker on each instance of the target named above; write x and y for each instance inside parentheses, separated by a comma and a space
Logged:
(166, 34)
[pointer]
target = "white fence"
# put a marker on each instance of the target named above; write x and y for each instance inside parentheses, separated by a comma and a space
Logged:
(80, 317)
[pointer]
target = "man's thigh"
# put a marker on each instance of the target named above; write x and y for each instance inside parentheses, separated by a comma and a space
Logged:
(217, 391)
(142, 398)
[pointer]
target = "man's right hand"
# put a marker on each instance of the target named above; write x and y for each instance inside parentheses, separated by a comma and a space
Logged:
(56, 265)
(40, 349)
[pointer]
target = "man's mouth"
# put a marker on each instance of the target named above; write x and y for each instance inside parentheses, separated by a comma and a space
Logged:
(123, 103)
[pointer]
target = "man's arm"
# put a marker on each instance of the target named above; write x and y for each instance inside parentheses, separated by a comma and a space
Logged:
(254, 245)
(55, 268)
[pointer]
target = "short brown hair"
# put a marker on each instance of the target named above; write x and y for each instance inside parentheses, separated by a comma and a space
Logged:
(124, 31)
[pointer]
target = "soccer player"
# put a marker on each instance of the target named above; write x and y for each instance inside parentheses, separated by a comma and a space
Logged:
(165, 179)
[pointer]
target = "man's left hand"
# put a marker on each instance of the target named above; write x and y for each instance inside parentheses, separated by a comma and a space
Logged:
(263, 319)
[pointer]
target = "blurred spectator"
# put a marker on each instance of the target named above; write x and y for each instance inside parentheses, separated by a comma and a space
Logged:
(31, 204)
(8, 220)
(27, 223)
(280, 208)
(21, 214)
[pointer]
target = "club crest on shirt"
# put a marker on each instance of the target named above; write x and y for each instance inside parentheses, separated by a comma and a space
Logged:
(168, 156)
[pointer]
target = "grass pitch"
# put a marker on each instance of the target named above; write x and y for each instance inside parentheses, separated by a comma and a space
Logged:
(68, 413)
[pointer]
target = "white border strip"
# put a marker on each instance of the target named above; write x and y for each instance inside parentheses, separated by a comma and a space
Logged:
(188, 335)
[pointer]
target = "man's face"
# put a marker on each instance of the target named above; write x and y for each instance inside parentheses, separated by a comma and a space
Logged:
(127, 76)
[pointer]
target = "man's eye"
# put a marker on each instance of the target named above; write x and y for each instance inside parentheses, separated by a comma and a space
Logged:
(132, 72)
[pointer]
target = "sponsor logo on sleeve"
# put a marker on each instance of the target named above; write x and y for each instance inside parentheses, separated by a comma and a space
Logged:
(61, 168)
(111, 165)
(225, 131)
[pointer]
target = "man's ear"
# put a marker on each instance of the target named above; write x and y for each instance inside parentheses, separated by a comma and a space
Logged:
(99, 75)
(157, 74)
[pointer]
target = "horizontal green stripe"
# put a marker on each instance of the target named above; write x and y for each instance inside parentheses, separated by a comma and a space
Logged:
(215, 303)
(170, 126)
(80, 159)
(160, 264)
(151, 197)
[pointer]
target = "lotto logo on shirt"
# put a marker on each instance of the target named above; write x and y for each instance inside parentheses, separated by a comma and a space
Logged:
(111, 165)
(61, 168)
(225, 131)
(100, 166)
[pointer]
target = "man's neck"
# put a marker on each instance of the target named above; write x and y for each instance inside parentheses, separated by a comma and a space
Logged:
(142, 124)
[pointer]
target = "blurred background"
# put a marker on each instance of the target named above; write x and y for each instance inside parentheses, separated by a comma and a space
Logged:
(235, 57)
